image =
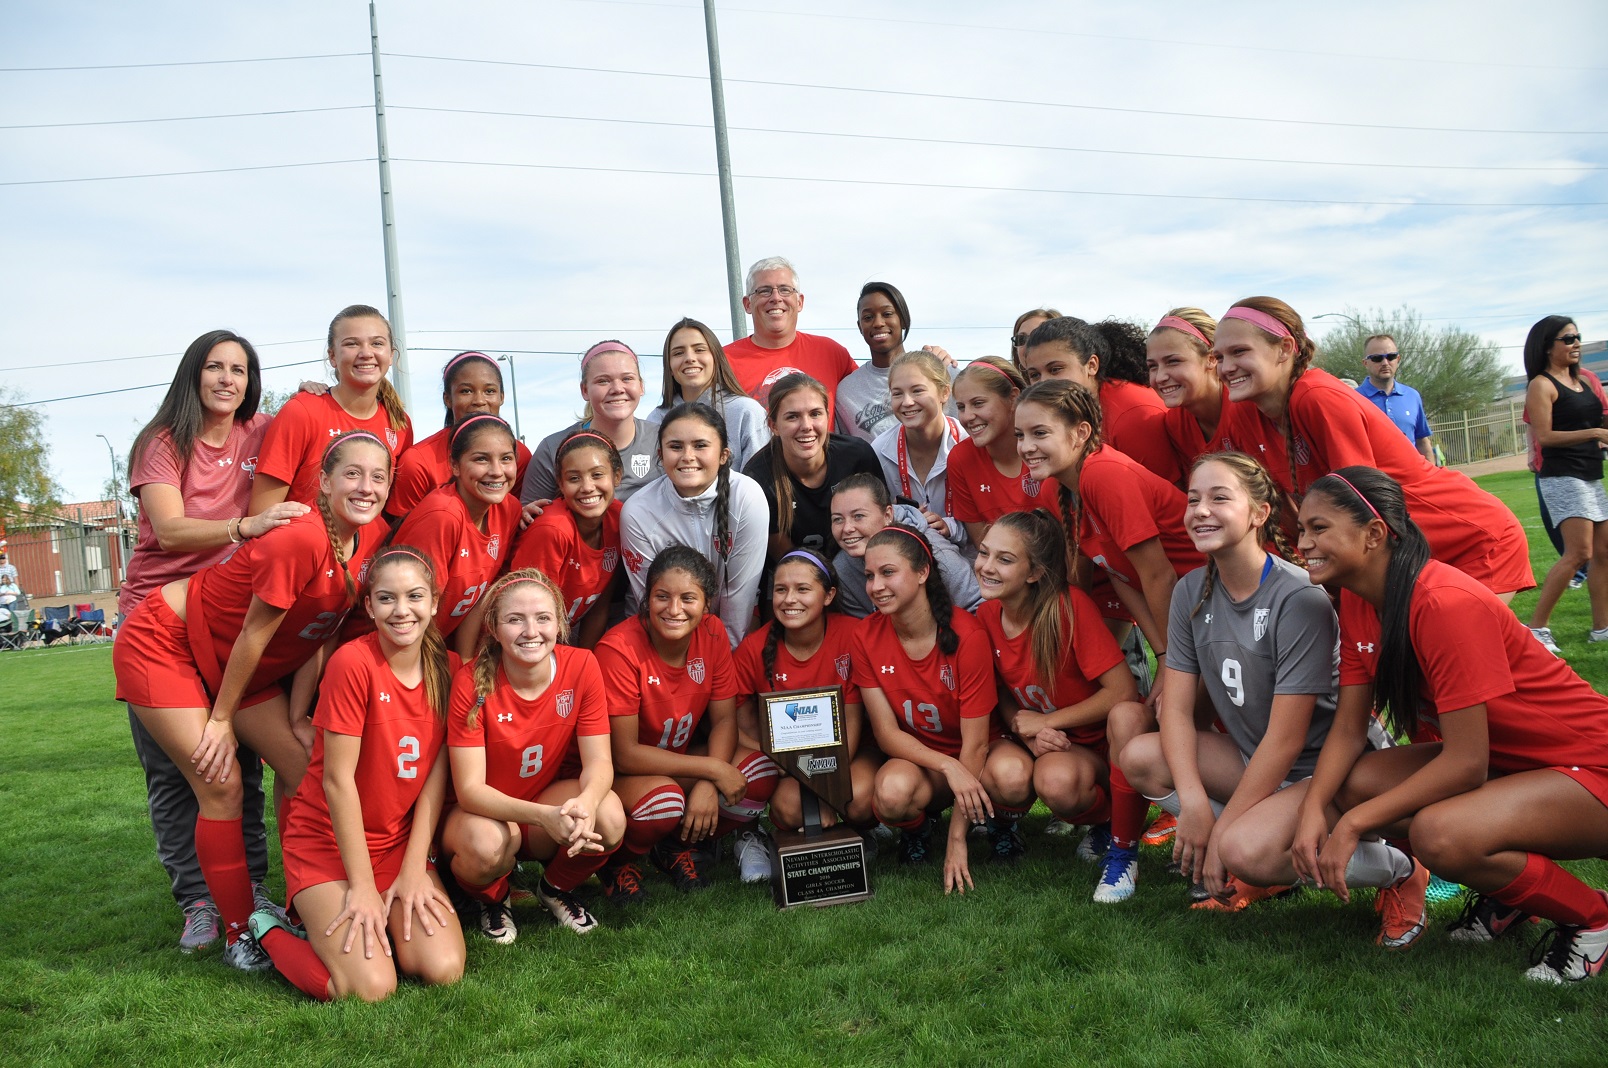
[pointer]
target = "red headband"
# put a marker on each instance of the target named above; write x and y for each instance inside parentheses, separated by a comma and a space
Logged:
(991, 367)
(403, 550)
(918, 539)
(1259, 319)
(1173, 322)
(587, 434)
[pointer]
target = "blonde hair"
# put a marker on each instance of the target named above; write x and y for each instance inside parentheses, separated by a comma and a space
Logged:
(432, 647)
(928, 366)
(389, 398)
(1200, 321)
(488, 658)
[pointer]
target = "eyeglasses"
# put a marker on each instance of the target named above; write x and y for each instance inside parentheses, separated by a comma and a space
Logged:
(1568, 339)
(1018, 340)
(765, 292)
(1380, 357)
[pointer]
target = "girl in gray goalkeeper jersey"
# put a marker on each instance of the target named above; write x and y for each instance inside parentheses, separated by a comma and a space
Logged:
(1260, 637)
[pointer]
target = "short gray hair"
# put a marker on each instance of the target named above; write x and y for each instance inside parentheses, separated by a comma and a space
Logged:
(770, 263)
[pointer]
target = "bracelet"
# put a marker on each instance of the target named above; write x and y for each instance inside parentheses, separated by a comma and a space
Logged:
(1162, 655)
(233, 540)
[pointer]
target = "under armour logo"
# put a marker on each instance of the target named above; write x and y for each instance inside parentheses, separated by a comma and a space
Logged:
(1208, 617)
(886, 669)
(330, 573)
(463, 552)
(384, 696)
(985, 488)
(226, 461)
(334, 433)
(1365, 647)
(653, 680)
(505, 717)
(781, 676)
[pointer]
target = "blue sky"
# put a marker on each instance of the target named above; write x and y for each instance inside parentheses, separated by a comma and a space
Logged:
(572, 246)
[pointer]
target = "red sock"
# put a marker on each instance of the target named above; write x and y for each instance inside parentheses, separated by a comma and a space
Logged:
(491, 893)
(565, 872)
(220, 847)
(763, 776)
(297, 961)
(1100, 811)
(911, 824)
(1128, 810)
(655, 815)
(1546, 890)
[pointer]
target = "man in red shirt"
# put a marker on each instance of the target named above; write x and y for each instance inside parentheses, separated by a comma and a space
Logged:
(777, 347)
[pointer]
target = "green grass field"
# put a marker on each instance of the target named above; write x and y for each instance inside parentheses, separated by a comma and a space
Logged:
(1025, 970)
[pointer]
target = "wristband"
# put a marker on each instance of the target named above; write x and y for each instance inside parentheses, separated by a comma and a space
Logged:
(233, 539)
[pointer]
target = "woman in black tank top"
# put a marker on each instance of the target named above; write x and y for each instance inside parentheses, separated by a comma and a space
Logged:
(1565, 408)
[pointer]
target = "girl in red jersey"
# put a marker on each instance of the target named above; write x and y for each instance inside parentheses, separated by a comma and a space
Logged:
(914, 454)
(356, 837)
(1058, 661)
(467, 527)
(362, 398)
(527, 732)
(807, 645)
(926, 678)
(1183, 372)
(986, 475)
(684, 779)
(204, 656)
(1518, 777)
(1302, 423)
(578, 545)
(471, 384)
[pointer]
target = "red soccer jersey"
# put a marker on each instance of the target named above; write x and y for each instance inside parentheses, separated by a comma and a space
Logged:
(930, 696)
(1474, 650)
(526, 741)
(1334, 426)
(1132, 421)
(819, 357)
(427, 466)
(291, 567)
(980, 494)
(294, 446)
(1189, 444)
(668, 701)
(553, 546)
(832, 664)
(1125, 504)
(1091, 652)
(465, 559)
(402, 736)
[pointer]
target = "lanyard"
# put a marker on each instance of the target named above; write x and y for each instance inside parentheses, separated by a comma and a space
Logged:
(903, 457)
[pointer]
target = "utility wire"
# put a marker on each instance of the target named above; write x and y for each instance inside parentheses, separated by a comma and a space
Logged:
(149, 356)
(183, 118)
(135, 389)
(182, 63)
(998, 100)
(176, 174)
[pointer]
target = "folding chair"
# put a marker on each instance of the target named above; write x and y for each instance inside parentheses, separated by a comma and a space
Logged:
(12, 632)
(57, 625)
(91, 622)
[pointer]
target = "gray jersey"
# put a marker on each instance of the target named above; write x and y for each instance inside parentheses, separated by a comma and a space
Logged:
(952, 568)
(1282, 639)
(862, 403)
(640, 459)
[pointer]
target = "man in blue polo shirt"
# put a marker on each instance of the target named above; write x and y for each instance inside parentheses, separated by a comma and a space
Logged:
(1400, 402)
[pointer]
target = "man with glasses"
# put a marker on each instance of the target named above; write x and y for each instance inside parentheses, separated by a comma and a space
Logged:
(777, 347)
(1401, 403)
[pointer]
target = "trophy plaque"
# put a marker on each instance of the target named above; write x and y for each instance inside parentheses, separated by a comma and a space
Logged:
(802, 730)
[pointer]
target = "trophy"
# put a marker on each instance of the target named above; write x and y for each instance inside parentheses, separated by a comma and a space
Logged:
(802, 730)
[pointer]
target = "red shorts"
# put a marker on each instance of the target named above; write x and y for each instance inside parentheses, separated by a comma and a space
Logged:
(312, 858)
(154, 665)
(1105, 597)
(1593, 779)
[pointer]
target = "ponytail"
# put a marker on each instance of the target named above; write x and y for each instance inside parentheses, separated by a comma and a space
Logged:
(389, 398)
(332, 457)
(913, 547)
(1259, 486)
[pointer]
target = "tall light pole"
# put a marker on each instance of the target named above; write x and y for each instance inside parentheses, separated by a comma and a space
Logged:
(393, 271)
(1342, 315)
(728, 203)
(117, 494)
(513, 391)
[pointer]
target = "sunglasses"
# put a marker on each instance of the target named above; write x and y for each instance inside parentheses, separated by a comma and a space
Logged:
(1568, 339)
(1018, 340)
(1380, 357)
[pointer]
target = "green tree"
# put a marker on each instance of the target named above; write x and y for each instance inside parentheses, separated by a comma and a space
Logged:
(25, 481)
(1455, 369)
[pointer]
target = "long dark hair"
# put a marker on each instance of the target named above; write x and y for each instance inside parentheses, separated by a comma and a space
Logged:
(1365, 493)
(781, 480)
(680, 558)
(1538, 345)
(724, 383)
(776, 633)
(181, 413)
(912, 545)
(708, 416)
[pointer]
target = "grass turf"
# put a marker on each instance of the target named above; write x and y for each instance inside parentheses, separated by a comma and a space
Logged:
(1024, 970)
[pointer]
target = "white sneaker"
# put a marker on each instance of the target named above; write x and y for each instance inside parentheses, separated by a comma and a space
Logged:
(1571, 954)
(753, 857)
(565, 907)
(1598, 635)
(497, 922)
(1544, 636)
(244, 953)
(1118, 875)
(1059, 827)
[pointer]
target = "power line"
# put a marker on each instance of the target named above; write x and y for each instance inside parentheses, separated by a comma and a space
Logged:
(135, 389)
(1002, 100)
(996, 144)
(1019, 189)
(183, 118)
(176, 174)
(180, 63)
(149, 356)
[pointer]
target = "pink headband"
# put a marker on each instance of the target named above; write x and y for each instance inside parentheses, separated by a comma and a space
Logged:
(476, 419)
(403, 550)
(1364, 500)
(1259, 319)
(1173, 322)
(910, 533)
(351, 434)
(446, 372)
(991, 367)
(587, 434)
(605, 346)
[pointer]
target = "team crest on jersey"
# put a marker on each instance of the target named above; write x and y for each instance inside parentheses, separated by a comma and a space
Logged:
(640, 464)
(564, 704)
(633, 560)
(695, 670)
(1031, 485)
(947, 674)
(610, 558)
(843, 664)
(1259, 622)
(1303, 455)
(494, 545)
(390, 439)
(362, 572)
(249, 466)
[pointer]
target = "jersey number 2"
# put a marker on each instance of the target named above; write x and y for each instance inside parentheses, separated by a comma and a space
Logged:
(408, 759)
(470, 596)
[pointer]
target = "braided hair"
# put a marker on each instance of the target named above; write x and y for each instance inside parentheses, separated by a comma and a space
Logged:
(333, 453)
(912, 545)
(1073, 406)
(1261, 489)
(781, 478)
(389, 398)
(775, 633)
(703, 413)
(432, 646)
(488, 658)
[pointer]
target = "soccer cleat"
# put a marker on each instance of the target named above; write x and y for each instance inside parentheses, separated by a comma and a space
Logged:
(565, 907)
(1483, 919)
(1198, 894)
(1095, 843)
(497, 922)
(262, 921)
(1245, 895)
(1570, 954)
(1005, 840)
(916, 846)
(1160, 831)
(622, 883)
(682, 867)
(1059, 827)
(1598, 635)
(1402, 910)
(244, 953)
(1119, 874)
(753, 857)
(260, 902)
(1544, 636)
(202, 925)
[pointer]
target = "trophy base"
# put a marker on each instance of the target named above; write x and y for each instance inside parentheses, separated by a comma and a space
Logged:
(825, 868)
